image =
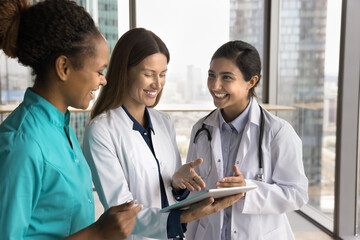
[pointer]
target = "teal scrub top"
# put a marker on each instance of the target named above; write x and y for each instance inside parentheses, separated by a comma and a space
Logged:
(45, 182)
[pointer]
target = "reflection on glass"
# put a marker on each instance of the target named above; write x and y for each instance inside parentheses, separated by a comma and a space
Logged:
(308, 80)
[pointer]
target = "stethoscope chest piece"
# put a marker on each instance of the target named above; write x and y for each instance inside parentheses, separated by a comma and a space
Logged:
(260, 176)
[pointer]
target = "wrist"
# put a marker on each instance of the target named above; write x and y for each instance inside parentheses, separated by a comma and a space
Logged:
(185, 217)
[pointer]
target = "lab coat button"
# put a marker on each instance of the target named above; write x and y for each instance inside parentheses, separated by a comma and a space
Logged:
(237, 162)
(235, 232)
(219, 160)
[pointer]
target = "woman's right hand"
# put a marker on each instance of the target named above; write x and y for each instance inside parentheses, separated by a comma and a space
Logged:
(118, 221)
(186, 177)
(115, 224)
(207, 207)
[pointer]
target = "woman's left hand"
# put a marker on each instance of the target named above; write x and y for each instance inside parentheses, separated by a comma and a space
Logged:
(235, 181)
(186, 177)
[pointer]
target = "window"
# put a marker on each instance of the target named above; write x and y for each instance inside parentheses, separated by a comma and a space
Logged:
(308, 79)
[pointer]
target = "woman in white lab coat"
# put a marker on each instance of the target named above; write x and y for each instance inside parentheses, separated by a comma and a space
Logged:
(131, 147)
(231, 154)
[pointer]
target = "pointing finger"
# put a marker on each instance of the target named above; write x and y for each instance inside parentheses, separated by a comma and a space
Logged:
(236, 171)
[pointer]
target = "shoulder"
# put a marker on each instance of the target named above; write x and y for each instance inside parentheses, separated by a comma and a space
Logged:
(278, 127)
(210, 118)
(99, 125)
(107, 120)
(160, 119)
(20, 149)
(159, 115)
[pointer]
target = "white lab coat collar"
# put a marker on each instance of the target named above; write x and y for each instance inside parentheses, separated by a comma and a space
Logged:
(254, 115)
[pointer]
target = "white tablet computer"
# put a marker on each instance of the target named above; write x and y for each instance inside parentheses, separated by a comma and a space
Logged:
(216, 193)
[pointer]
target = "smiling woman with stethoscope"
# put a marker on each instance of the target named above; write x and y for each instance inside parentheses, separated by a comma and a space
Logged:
(243, 144)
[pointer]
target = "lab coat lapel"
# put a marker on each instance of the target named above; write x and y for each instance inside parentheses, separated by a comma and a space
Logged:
(156, 141)
(244, 144)
(213, 122)
(248, 137)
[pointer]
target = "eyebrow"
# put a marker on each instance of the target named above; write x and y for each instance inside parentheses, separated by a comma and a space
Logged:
(147, 69)
(222, 73)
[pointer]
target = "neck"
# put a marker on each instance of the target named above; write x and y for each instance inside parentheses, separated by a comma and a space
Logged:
(50, 94)
(138, 112)
(230, 113)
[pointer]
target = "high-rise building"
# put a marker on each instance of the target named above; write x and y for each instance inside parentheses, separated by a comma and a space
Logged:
(301, 71)
(302, 59)
(105, 15)
(247, 24)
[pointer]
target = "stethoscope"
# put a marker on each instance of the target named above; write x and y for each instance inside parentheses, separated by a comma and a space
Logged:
(260, 175)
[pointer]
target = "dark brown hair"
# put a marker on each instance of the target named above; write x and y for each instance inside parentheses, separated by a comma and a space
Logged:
(246, 58)
(37, 35)
(132, 48)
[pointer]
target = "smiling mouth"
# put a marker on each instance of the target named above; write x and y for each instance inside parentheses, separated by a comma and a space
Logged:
(92, 92)
(220, 95)
(151, 93)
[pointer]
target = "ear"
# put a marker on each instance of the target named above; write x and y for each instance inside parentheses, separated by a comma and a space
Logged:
(62, 67)
(253, 81)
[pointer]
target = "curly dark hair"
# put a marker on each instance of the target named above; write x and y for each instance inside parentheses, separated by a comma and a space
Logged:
(39, 34)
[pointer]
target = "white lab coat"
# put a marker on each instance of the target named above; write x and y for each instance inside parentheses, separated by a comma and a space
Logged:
(124, 168)
(261, 214)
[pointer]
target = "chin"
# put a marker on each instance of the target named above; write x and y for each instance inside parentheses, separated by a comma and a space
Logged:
(82, 106)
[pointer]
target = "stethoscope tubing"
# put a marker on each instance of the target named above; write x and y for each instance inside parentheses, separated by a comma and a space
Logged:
(260, 175)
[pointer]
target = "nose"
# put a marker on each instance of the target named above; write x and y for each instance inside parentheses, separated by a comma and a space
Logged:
(214, 83)
(158, 82)
(103, 81)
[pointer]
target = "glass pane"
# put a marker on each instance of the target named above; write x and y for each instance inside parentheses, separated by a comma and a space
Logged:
(247, 24)
(14, 79)
(193, 30)
(308, 80)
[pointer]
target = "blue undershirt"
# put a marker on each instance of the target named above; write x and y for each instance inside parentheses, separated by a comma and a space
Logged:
(231, 134)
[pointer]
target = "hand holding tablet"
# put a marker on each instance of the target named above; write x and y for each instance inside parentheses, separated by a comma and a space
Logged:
(216, 193)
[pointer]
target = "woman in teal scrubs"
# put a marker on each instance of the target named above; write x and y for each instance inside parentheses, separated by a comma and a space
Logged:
(45, 182)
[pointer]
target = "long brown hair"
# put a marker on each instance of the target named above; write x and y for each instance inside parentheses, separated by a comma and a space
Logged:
(133, 47)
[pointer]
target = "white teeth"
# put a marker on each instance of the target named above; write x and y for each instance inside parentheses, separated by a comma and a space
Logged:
(220, 95)
(151, 93)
